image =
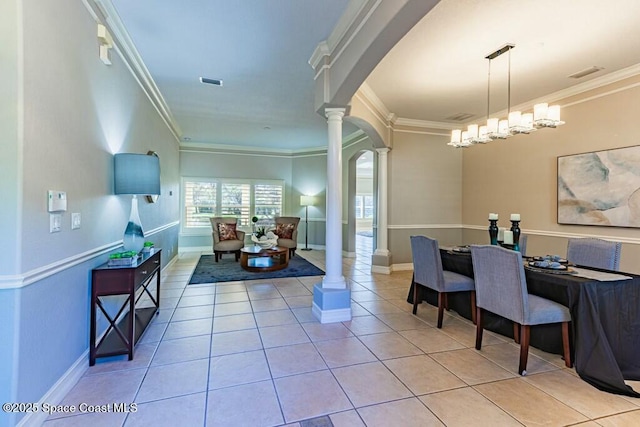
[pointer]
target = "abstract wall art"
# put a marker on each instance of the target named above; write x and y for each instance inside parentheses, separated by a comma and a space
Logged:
(600, 188)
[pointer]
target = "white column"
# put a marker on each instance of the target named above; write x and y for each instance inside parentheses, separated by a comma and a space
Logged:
(332, 297)
(334, 278)
(382, 246)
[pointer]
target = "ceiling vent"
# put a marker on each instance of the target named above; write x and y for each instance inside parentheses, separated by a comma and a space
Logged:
(216, 82)
(585, 72)
(460, 117)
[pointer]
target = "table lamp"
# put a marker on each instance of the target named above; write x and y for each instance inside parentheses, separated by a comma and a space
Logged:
(135, 174)
(306, 201)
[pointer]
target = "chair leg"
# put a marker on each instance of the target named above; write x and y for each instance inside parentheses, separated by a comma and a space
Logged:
(446, 302)
(442, 297)
(516, 332)
(237, 254)
(478, 328)
(415, 296)
(216, 255)
(525, 332)
(565, 345)
(474, 317)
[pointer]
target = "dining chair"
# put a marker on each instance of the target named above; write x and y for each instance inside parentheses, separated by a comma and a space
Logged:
(428, 272)
(501, 288)
(592, 252)
(522, 242)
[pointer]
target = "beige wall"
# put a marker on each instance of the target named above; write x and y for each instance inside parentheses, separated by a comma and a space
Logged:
(425, 191)
(520, 174)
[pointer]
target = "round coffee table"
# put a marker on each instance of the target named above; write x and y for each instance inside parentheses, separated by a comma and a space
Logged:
(254, 258)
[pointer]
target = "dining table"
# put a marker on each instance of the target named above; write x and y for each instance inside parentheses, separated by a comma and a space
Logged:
(605, 318)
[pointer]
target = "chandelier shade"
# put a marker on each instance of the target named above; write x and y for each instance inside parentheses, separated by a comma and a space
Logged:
(543, 116)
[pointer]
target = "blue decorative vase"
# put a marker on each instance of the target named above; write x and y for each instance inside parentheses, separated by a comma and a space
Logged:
(133, 239)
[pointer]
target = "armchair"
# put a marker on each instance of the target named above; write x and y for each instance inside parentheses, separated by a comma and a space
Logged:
(287, 232)
(227, 239)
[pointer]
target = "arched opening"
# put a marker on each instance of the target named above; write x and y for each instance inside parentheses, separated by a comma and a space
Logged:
(364, 204)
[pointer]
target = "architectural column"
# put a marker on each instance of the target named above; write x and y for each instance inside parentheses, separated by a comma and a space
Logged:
(381, 258)
(331, 298)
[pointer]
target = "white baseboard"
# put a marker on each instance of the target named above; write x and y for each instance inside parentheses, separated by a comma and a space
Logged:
(381, 269)
(331, 316)
(407, 266)
(58, 391)
(348, 254)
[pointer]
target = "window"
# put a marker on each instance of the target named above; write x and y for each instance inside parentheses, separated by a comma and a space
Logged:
(240, 198)
(364, 207)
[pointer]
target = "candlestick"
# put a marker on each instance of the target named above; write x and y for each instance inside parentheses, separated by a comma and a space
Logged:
(493, 216)
(515, 217)
(515, 229)
(508, 237)
(493, 230)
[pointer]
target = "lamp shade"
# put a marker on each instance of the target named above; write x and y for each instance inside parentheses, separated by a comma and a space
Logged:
(136, 174)
(307, 200)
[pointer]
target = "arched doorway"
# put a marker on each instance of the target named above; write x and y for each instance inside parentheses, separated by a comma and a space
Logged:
(364, 204)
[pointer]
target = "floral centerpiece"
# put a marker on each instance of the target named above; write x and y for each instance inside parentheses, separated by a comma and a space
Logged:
(264, 239)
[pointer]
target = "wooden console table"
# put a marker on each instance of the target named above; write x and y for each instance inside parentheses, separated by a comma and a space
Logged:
(254, 258)
(122, 333)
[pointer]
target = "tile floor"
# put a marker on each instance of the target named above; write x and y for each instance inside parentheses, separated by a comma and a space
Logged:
(252, 354)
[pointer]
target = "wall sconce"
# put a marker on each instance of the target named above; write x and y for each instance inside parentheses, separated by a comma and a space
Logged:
(106, 43)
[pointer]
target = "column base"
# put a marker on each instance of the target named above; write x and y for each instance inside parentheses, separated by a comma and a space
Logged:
(381, 262)
(331, 305)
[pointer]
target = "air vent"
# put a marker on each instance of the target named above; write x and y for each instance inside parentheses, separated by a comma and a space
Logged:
(216, 82)
(586, 72)
(460, 117)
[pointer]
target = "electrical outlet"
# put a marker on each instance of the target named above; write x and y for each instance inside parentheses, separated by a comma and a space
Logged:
(75, 220)
(55, 223)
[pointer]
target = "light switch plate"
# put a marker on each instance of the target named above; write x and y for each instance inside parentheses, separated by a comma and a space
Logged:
(55, 223)
(75, 220)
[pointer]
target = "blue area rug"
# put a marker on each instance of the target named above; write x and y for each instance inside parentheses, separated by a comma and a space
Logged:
(228, 270)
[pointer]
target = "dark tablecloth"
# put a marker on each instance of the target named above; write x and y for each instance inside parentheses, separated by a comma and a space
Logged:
(605, 323)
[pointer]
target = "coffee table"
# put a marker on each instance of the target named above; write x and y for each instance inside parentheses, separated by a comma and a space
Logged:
(254, 258)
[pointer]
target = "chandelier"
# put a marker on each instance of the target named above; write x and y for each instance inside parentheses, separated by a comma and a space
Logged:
(543, 115)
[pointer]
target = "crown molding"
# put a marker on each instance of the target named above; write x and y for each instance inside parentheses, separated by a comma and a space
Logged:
(366, 93)
(349, 24)
(203, 147)
(105, 13)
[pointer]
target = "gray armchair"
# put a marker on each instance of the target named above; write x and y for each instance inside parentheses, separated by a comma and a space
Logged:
(592, 252)
(227, 239)
(287, 232)
(501, 288)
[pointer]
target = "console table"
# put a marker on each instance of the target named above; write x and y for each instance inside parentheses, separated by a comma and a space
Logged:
(123, 333)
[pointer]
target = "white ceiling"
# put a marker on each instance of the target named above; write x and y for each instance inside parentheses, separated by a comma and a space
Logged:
(261, 49)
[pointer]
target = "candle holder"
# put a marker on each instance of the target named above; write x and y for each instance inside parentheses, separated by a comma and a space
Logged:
(493, 231)
(515, 228)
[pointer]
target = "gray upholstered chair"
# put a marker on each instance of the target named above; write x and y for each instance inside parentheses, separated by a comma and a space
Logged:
(287, 232)
(592, 252)
(501, 288)
(522, 242)
(428, 272)
(227, 238)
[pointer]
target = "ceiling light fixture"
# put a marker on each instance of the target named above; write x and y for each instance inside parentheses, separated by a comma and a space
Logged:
(516, 122)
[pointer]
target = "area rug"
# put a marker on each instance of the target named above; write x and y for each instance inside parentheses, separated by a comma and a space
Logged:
(228, 270)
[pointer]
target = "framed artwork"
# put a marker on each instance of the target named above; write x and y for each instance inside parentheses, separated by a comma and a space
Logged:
(600, 188)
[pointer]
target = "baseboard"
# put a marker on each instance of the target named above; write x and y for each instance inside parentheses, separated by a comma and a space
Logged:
(381, 269)
(331, 316)
(348, 254)
(58, 391)
(407, 266)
